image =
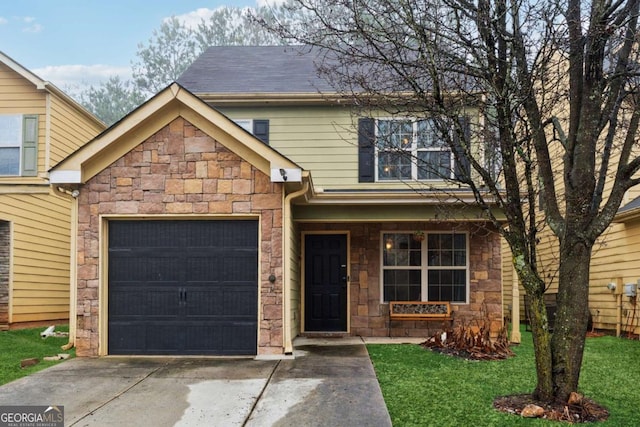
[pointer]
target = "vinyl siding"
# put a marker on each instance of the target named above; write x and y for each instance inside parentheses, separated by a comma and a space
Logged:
(322, 140)
(295, 280)
(70, 129)
(40, 238)
(615, 256)
(18, 95)
(40, 249)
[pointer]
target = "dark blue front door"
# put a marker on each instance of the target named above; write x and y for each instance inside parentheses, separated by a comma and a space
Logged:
(326, 282)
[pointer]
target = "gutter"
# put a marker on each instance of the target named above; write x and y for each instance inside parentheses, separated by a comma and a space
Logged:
(286, 273)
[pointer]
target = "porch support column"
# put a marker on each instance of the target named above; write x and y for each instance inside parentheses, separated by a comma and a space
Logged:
(515, 308)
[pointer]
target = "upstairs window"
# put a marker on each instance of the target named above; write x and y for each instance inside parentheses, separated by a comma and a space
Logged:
(409, 149)
(257, 127)
(412, 150)
(18, 145)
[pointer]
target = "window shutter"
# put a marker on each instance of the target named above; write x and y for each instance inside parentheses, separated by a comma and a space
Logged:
(462, 163)
(261, 130)
(30, 145)
(366, 150)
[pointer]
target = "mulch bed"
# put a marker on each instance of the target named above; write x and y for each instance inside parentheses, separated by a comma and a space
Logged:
(586, 411)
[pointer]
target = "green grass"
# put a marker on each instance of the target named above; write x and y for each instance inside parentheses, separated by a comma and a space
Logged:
(423, 388)
(22, 344)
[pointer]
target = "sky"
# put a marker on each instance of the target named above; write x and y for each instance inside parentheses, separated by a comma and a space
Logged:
(72, 43)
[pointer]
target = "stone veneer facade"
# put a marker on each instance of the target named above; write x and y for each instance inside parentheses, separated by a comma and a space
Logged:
(180, 171)
(370, 318)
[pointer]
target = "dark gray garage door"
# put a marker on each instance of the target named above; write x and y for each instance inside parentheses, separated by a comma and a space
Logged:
(183, 287)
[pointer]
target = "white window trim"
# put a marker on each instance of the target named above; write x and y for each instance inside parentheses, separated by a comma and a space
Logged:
(414, 152)
(424, 266)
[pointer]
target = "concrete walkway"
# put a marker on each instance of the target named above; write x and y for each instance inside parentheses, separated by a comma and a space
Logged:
(330, 382)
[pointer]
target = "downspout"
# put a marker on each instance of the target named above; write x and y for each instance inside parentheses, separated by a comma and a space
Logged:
(286, 273)
(73, 262)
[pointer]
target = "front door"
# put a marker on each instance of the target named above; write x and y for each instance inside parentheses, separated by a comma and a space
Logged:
(326, 282)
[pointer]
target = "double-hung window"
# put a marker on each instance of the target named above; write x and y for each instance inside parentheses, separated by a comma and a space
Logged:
(18, 145)
(433, 268)
(409, 149)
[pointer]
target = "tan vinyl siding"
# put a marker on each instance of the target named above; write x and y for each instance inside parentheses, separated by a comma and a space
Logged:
(615, 259)
(40, 220)
(40, 249)
(17, 95)
(295, 279)
(322, 140)
(69, 130)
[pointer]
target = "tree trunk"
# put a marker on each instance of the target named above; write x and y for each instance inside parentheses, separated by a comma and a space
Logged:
(542, 345)
(567, 343)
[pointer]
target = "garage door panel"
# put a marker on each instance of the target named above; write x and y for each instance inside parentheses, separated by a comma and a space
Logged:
(204, 269)
(202, 339)
(162, 337)
(239, 302)
(237, 268)
(204, 300)
(138, 266)
(240, 336)
(183, 287)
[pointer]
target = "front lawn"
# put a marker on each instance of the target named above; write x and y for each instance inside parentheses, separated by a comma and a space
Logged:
(423, 388)
(23, 344)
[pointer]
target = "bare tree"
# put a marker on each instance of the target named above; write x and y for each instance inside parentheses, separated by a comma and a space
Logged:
(554, 140)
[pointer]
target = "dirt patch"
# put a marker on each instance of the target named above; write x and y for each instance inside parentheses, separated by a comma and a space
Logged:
(585, 411)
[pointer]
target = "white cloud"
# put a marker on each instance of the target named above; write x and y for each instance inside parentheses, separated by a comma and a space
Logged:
(261, 3)
(75, 78)
(192, 19)
(28, 19)
(3, 20)
(35, 28)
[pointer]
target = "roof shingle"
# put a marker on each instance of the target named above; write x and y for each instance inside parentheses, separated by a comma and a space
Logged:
(255, 69)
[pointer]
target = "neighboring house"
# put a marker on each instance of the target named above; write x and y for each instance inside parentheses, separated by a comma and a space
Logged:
(39, 126)
(616, 259)
(239, 208)
(614, 274)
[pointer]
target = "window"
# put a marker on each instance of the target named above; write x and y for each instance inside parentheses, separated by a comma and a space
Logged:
(257, 127)
(412, 149)
(430, 269)
(18, 145)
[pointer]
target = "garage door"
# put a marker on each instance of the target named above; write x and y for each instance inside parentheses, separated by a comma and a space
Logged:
(183, 287)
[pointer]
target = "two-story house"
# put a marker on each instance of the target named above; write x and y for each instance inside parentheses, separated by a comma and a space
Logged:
(245, 205)
(39, 126)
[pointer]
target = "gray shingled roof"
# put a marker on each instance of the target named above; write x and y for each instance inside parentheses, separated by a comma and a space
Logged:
(634, 204)
(254, 69)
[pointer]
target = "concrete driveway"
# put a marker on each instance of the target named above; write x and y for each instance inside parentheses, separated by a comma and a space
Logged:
(328, 383)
